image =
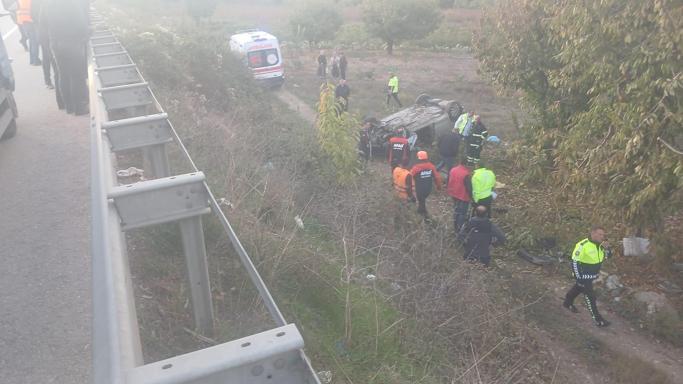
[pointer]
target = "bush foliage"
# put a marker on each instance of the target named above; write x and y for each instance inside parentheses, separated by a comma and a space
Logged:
(603, 81)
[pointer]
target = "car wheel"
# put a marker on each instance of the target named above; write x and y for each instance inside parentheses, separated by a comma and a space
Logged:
(423, 100)
(454, 111)
(11, 130)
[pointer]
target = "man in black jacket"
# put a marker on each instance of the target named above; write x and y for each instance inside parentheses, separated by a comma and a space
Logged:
(448, 150)
(477, 236)
(342, 93)
(66, 22)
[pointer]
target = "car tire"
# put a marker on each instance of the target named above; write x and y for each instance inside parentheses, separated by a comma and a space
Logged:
(11, 130)
(454, 110)
(423, 100)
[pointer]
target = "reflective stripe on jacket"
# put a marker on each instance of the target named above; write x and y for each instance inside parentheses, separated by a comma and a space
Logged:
(587, 252)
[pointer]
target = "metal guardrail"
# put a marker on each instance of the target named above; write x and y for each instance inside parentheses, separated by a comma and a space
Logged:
(125, 115)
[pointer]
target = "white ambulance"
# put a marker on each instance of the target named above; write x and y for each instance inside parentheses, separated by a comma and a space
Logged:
(260, 51)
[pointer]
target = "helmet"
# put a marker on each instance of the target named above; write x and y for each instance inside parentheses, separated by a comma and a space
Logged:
(422, 155)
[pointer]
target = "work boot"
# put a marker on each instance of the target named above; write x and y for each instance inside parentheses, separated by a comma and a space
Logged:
(602, 323)
(570, 307)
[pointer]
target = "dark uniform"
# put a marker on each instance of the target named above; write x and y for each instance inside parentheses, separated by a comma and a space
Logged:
(66, 22)
(475, 141)
(477, 236)
(587, 259)
(424, 175)
(399, 151)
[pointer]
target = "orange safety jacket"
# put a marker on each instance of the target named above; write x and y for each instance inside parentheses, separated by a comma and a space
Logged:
(403, 183)
(24, 12)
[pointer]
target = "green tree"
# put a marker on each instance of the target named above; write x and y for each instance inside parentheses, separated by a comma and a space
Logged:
(604, 81)
(200, 9)
(316, 21)
(337, 136)
(394, 21)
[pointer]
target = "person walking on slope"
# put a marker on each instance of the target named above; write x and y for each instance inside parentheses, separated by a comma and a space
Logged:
(477, 236)
(476, 139)
(483, 182)
(403, 183)
(342, 93)
(424, 174)
(322, 65)
(587, 259)
(448, 150)
(343, 65)
(399, 149)
(459, 188)
(392, 90)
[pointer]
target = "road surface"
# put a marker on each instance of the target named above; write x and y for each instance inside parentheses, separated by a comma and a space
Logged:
(44, 236)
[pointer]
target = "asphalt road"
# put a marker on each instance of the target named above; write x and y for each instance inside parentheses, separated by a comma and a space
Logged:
(45, 300)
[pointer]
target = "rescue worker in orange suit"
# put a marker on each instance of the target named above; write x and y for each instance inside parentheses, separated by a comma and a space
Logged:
(424, 175)
(403, 183)
(399, 149)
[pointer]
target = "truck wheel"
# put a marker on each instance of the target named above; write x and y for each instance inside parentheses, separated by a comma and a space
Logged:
(11, 130)
(423, 100)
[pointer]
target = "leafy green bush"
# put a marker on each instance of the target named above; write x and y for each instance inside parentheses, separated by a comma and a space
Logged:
(338, 136)
(604, 82)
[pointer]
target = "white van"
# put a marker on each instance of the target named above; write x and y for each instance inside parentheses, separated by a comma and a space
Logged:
(260, 51)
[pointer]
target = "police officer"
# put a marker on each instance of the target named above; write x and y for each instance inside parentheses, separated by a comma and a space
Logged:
(477, 236)
(392, 90)
(587, 259)
(483, 182)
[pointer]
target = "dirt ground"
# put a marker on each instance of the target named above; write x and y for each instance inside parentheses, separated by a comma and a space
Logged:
(446, 75)
(584, 353)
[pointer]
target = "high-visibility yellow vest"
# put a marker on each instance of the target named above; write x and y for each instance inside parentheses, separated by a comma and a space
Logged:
(483, 181)
(588, 252)
(393, 84)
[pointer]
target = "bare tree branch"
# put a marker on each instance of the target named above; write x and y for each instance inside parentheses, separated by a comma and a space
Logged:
(671, 147)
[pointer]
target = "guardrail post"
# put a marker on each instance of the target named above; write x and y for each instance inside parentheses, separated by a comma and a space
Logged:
(156, 160)
(192, 234)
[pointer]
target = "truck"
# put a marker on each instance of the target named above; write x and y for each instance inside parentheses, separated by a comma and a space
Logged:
(260, 52)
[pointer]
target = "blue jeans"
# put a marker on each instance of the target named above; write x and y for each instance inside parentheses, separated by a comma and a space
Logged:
(460, 214)
(33, 43)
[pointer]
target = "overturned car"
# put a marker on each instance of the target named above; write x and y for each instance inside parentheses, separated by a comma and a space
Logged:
(424, 122)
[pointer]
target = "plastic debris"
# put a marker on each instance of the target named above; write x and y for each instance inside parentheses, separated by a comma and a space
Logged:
(371, 277)
(493, 139)
(299, 222)
(636, 246)
(132, 171)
